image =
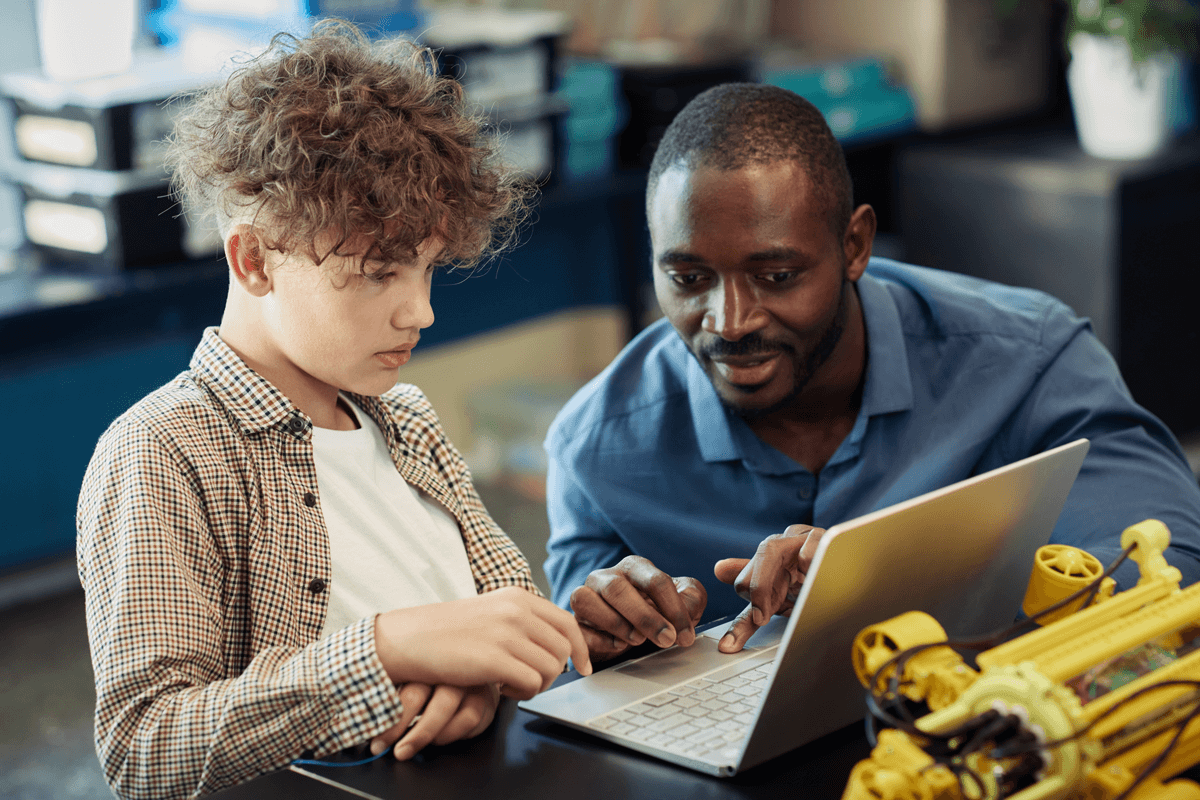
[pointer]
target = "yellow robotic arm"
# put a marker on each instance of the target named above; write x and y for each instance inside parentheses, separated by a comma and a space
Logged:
(1101, 703)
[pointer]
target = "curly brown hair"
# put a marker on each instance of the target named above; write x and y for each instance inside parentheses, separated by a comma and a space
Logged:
(335, 133)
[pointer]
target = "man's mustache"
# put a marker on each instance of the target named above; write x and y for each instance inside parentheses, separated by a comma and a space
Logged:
(752, 344)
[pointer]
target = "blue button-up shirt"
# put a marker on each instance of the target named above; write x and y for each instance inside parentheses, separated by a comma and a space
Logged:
(962, 376)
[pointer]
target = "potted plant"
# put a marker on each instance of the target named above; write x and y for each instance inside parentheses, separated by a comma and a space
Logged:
(1126, 75)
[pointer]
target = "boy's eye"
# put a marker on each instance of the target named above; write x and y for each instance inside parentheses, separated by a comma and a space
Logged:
(379, 278)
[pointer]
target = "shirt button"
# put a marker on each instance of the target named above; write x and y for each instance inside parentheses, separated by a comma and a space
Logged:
(806, 493)
(310, 499)
(296, 425)
(316, 586)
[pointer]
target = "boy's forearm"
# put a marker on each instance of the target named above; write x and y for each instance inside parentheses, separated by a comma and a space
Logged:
(214, 733)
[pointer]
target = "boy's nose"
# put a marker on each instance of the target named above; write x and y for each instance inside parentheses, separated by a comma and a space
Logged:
(414, 310)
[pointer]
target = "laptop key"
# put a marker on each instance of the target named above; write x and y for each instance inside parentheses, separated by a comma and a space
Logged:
(668, 723)
(713, 705)
(640, 720)
(621, 716)
(705, 736)
(728, 754)
(696, 711)
(731, 725)
(720, 715)
(681, 690)
(639, 708)
(684, 731)
(621, 728)
(659, 700)
(603, 723)
(704, 694)
(662, 712)
(686, 702)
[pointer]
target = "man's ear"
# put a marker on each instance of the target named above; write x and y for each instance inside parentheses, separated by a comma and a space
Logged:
(856, 244)
(246, 255)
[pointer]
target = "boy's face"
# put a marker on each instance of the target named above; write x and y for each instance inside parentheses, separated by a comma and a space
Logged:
(338, 329)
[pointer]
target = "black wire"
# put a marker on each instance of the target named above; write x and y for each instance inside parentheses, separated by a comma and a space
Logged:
(1092, 589)
(988, 733)
(1161, 758)
(1109, 711)
(985, 727)
(869, 723)
(994, 638)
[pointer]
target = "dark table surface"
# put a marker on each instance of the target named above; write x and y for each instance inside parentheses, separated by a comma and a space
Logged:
(524, 756)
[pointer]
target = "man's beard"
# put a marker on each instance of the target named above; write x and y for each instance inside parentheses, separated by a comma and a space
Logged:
(803, 367)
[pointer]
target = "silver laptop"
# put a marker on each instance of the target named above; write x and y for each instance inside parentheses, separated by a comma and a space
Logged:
(962, 554)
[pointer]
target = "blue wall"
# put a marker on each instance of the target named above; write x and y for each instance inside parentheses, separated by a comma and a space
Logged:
(66, 372)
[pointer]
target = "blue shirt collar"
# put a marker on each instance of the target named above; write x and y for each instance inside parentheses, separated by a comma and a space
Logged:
(722, 436)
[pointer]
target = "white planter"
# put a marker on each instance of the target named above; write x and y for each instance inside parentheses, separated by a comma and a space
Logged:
(1122, 109)
(86, 38)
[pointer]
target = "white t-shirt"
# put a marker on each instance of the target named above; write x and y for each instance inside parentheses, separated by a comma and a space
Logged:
(391, 545)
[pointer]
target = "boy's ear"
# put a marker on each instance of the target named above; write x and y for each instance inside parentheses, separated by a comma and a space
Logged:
(246, 256)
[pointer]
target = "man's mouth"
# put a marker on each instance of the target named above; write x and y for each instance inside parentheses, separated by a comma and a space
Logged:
(748, 370)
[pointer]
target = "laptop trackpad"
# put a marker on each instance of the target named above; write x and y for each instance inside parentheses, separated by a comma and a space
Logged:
(675, 664)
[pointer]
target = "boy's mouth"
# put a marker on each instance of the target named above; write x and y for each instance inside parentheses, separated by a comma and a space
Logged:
(394, 359)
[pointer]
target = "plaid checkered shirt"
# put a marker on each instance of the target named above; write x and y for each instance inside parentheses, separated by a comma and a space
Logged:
(205, 560)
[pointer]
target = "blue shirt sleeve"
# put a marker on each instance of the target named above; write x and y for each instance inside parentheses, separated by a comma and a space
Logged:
(1135, 468)
(581, 539)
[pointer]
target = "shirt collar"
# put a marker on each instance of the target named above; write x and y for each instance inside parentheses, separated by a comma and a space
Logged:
(888, 384)
(709, 416)
(249, 397)
(887, 387)
(254, 401)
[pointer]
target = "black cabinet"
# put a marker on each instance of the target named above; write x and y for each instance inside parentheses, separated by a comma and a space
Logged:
(1115, 240)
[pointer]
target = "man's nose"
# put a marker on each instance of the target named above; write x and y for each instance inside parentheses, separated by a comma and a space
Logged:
(734, 311)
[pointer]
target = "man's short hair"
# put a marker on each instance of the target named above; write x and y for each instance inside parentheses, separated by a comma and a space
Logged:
(737, 125)
(337, 134)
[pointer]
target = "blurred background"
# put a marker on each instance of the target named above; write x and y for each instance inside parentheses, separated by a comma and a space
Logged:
(1042, 143)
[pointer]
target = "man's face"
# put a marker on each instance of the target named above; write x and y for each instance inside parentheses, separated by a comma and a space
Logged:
(751, 274)
(334, 326)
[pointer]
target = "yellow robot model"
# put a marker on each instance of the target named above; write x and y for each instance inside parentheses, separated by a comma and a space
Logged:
(1101, 703)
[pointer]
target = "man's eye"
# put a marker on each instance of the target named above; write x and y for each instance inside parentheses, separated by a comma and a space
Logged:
(778, 277)
(685, 279)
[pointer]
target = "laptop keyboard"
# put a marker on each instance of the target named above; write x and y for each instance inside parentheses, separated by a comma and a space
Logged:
(702, 718)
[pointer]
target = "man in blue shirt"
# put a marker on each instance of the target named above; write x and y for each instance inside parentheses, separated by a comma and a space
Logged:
(796, 383)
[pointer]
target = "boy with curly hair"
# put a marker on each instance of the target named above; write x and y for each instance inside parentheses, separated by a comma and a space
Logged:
(282, 554)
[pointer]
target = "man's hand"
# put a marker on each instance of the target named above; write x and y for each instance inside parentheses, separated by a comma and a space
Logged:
(770, 581)
(447, 714)
(625, 605)
(509, 637)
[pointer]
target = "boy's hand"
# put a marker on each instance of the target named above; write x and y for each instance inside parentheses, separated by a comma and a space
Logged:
(770, 581)
(623, 606)
(446, 714)
(508, 637)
